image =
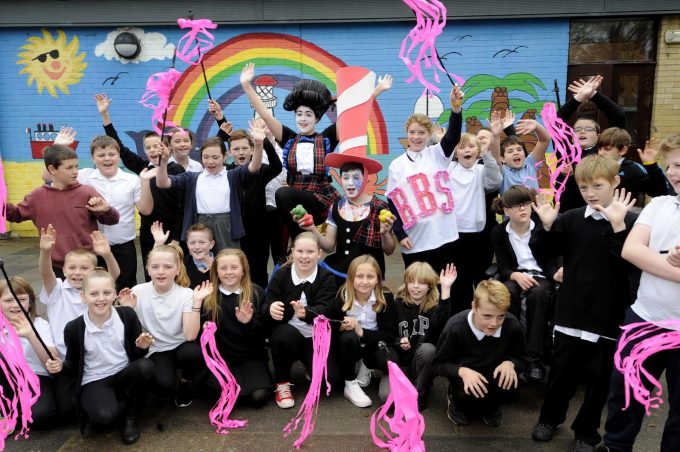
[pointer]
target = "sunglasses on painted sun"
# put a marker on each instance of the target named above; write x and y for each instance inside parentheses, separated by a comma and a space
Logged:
(43, 56)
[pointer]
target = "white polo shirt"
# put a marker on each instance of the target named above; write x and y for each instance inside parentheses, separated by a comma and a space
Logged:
(104, 348)
(161, 314)
(31, 356)
(520, 245)
(304, 328)
(63, 305)
(212, 192)
(365, 314)
(121, 191)
(658, 298)
(192, 167)
(469, 189)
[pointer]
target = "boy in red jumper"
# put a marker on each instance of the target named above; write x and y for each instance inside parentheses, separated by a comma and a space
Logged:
(73, 209)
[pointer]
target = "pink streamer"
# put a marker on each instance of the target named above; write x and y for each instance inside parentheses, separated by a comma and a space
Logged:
(407, 425)
(321, 341)
(430, 22)
(219, 415)
(21, 379)
(659, 338)
(565, 143)
(198, 40)
(3, 200)
(160, 86)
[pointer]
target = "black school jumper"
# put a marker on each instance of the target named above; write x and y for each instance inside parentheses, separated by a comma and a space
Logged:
(595, 293)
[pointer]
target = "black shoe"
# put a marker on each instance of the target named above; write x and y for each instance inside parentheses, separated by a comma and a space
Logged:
(130, 432)
(535, 373)
(455, 414)
(543, 432)
(582, 446)
(184, 396)
(494, 418)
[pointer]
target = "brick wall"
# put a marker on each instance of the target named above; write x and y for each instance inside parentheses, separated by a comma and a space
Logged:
(666, 109)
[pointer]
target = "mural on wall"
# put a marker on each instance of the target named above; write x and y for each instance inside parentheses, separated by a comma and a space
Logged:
(52, 64)
(512, 75)
(154, 46)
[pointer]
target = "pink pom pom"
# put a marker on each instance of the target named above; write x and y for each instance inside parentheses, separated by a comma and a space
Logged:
(430, 22)
(565, 142)
(407, 425)
(21, 380)
(649, 338)
(321, 340)
(159, 88)
(198, 40)
(219, 415)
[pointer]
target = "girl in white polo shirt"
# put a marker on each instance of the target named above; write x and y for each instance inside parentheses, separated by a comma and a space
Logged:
(170, 312)
(44, 411)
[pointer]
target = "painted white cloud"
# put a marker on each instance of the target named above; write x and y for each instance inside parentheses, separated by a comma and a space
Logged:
(154, 46)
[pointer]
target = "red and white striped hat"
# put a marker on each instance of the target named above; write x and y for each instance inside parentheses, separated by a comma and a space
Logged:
(355, 98)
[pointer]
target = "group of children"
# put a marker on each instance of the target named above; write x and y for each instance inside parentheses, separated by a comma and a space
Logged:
(202, 227)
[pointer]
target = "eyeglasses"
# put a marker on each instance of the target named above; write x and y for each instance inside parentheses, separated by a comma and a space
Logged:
(526, 205)
(43, 56)
(584, 129)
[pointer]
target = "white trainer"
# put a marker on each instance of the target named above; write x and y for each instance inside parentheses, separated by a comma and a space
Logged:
(364, 375)
(356, 395)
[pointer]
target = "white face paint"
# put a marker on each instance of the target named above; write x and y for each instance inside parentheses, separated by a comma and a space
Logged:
(352, 182)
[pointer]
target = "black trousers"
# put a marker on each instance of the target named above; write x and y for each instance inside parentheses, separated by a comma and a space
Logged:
(287, 198)
(277, 233)
(289, 345)
(491, 401)
(187, 357)
(104, 400)
(126, 257)
(538, 312)
(44, 411)
(623, 425)
(575, 362)
(256, 248)
(350, 351)
(417, 365)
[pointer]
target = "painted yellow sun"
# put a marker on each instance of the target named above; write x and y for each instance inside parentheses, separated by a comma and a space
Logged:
(52, 64)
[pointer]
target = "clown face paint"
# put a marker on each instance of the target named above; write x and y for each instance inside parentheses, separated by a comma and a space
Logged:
(352, 182)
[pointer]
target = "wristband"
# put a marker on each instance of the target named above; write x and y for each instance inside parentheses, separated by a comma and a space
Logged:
(194, 309)
(456, 104)
(649, 163)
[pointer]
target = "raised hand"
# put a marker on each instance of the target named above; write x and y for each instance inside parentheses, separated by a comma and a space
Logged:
(21, 326)
(509, 118)
(245, 314)
(256, 131)
(127, 298)
(144, 341)
(616, 210)
(48, 238)
(159, 237)
(448, 276)
(439, 133)
(299, 309)
(496, 123)
(148, 174)
(526, 126)
(384, 83)
(457, 97)
(100, 244)
(215, 109)
(583, 90)
(103, 103)
(66, 136)
(202, 291)
(649, 154)
(545, 210)
(97, 204)
(247, 74)
(507, 377)
(227, 127)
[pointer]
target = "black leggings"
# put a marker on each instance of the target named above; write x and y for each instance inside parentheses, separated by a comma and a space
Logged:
(187, 357)
(126, 257)
(44, 411)
(104, 400)
(289, 345)
(350, 351)
(287, 198)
